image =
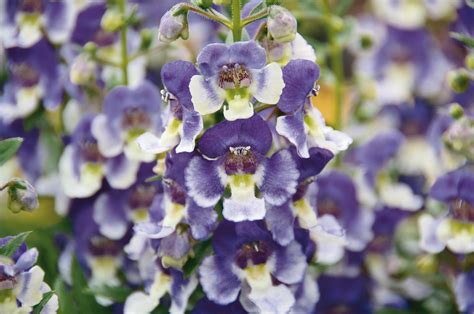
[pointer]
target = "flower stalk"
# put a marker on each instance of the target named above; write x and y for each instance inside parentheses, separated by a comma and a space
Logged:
(236, 22)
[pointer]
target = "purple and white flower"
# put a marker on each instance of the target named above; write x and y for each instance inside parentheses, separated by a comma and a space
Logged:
(82, 166)
(183, 124)
(21, 282)
(235, 74)
(34, 76)
(234, 156)
(23, 22)
(248, 262)
(303, 125)
(127, 114)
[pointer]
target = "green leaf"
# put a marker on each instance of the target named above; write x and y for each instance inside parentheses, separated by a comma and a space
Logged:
(46, 297)
(8, 148)
(9, 248)
(466, 40)
(117, 294)
(201, 250)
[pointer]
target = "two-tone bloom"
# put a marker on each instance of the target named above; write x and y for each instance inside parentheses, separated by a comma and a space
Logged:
(235, 74)
(23, 22)
(21, 282)
(175, 207)
(83, 167)
(34, 75)
(183, 123)
(303, 125)
(234, 156)
(455, 229)
(127, 114)
(248, 262)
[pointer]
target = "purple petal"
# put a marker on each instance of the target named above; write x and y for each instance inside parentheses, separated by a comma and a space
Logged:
(218, 281)
(312, 166)
(446, 187)
(293, 129)
(464, 289)
(204, 182)
(290, 264)
(212, 58)
(299, 77)
(280, 221)
(176, 77)
(250, 54)
(192, 126)
(175, 245)
(280, 178)
(201, 220)
(253, 132)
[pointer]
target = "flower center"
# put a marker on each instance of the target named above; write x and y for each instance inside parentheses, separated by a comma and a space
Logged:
(102, 246)
(462, 210)
(25, 75)
(90, 151)
(135, 119)
(175, 191)
(240, 160)
(253, 253)
(31, 6)
(234, 76)
(328, 207)
(141, 197)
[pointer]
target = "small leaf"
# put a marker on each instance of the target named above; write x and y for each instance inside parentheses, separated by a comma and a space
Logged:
(466, 40)
(9, 248)
(201, 250)
(258, 8)
(46, 297)
(8, 148)
(117, 294)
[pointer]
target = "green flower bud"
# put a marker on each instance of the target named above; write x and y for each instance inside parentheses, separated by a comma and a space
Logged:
(174, 26)
(90, 48)
(82, 70)
(366, 41)
(22, 196)
(112, 21)
(459, 80)
(470, 61)
(456, 111)
(281, 24)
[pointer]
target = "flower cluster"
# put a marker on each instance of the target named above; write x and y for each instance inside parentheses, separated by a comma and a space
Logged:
(217, 165)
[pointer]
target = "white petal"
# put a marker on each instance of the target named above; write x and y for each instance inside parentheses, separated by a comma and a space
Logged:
(429, 240)
(274, 300)
(238, 108)
(111, 225)
(267, 84)
(400, 195)
(207, 97)
(150, 143)
(86, 185)
(122, 176)
(28, 286)
(242, 210)
(109, 144)
(139, 302)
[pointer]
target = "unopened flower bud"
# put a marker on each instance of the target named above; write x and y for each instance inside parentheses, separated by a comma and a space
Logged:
(90, 48)
(460, 137)
(174, 26)
(459, 80)
(366, 41)
(146, 39)
(456, 111)
(112, 21)
(22, 196)
(281, 24)
(82, 70)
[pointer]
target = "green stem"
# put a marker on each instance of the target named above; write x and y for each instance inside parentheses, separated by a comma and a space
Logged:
(123, 43)
(255, 17)
(236, 23)
(211, 14)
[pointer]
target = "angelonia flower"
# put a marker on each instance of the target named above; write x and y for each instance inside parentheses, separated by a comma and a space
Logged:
(22, 196)
(234, 73)
(22, 283)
